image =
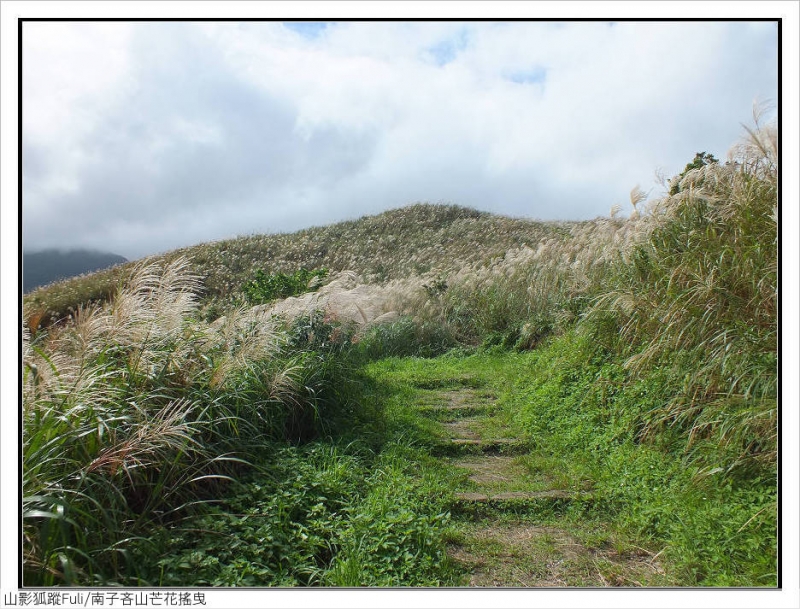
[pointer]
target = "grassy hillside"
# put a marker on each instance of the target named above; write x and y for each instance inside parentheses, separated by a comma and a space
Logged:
(416, 240)
(648, 370)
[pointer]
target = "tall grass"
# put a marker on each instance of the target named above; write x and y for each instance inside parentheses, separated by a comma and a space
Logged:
(699, 292)
(687, 283)
(416, 240)
(524, 295)
(134, 411)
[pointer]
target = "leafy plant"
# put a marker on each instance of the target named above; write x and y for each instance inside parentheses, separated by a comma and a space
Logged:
(395, 535)
(278, 527)
(436, 288)
(266, 288)
(701, 159)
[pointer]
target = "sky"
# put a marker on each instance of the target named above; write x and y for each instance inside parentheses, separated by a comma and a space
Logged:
(141, 137)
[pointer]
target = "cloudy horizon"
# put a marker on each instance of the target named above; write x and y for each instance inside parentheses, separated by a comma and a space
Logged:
(141, 137)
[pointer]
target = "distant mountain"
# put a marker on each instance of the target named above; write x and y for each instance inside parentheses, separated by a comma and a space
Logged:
(41, 268)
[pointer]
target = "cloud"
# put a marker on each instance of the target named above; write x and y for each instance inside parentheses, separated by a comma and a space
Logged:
(189, 147)
(142, 137)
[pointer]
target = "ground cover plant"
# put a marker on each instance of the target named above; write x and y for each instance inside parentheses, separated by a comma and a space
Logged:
(615, 380)
(318, 515)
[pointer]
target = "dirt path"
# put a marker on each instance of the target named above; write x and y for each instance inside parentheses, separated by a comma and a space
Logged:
(509, 512)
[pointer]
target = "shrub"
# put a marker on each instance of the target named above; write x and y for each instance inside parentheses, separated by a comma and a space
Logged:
(701, 159)
(266, 288)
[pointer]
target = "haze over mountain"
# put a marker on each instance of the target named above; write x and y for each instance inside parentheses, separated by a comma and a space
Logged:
(47, 266)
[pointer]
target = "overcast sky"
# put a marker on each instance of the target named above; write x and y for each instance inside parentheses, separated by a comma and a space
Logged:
(140, 137)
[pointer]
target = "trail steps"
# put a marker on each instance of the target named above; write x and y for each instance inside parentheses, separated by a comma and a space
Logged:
(489, 457)
(500, 497)
(496, 482)
(515, 513)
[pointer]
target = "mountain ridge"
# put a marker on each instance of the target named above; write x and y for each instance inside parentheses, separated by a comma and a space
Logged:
(40, 268)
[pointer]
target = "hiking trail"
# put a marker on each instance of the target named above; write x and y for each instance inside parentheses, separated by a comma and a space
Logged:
(505, 508)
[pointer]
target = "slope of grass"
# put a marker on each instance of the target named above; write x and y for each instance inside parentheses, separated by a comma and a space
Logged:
(396, 244)
(715, 527)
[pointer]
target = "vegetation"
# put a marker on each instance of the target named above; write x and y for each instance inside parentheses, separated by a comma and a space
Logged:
(135, 412)
(266, 288)
(320, 514)
(175, 436)
(416, 240)
(701, 159)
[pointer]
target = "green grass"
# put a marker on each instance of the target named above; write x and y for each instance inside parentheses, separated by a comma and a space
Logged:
(717, 529)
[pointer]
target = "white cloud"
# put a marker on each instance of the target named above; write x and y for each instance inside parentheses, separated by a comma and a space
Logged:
(141, 137)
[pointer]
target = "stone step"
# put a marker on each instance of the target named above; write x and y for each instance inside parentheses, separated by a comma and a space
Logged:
(462, 429)
(482, 442)
(489, 505)
(492, 469)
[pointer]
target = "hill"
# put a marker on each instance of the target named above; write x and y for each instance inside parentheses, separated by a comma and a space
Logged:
(48, 266)
(419, 240)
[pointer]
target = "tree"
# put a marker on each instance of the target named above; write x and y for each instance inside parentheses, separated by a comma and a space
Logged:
(701, 159)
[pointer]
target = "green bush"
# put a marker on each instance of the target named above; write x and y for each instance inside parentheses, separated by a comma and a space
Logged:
(701, 159)
(266, 288)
